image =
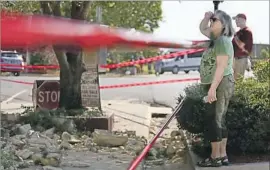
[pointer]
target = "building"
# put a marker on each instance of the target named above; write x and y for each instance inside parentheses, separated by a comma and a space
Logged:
(257, 48)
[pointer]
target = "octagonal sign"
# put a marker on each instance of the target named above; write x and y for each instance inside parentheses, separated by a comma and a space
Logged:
(48, 95)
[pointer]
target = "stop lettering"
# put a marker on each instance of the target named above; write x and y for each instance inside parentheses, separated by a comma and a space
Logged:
(48, 94)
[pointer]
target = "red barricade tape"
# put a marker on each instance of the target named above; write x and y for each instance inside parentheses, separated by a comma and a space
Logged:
(124, 64)
(123, 85)
(21, 31)
(148, 60)
(16, 66)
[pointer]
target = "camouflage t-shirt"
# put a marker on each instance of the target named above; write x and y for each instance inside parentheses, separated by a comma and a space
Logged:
(222, 47)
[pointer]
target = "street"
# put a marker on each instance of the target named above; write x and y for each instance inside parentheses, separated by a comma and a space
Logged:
(162, 93)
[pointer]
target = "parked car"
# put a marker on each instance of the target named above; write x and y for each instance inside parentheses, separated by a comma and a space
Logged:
(186, 63)
(14, 58)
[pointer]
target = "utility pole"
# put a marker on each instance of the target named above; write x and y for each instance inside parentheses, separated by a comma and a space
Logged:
(102, 52)
(216, 4)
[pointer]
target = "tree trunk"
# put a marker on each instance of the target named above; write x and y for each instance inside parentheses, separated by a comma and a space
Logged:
(71, 64)
(71, 69)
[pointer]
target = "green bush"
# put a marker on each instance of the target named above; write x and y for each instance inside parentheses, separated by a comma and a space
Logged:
(262, 67)
(248, 117)
(46, 119)
(37, 59)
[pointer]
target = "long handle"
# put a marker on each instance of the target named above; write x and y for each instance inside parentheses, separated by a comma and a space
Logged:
(138, 160)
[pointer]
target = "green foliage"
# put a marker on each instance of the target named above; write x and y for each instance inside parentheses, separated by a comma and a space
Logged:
(126, 56)
(42, 120)
(37, 59)
(265, 53)
(262, 67)
(28, 7)
(192, 111)
(141, 15)
(253, 92)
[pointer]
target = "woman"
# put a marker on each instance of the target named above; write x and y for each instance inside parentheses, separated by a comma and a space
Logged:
(216, 72)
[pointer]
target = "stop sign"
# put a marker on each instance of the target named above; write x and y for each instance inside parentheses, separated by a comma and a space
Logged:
(48, 94)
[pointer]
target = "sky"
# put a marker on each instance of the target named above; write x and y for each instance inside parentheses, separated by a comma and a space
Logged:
(181, 19)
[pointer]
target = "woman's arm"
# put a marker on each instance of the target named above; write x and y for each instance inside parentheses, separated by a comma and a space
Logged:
(204, 27)
(222, 62)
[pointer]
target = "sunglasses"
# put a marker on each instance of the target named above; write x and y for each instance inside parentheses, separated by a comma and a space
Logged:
(213, 19)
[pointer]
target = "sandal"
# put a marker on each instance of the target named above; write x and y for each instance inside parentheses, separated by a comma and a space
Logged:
(225, 161)
(210, 162)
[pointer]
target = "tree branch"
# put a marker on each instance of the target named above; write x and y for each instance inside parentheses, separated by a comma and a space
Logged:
(75, 10)
(79, 9)
(61, 57)
(57, 8)
(45, 7)
(85, 9)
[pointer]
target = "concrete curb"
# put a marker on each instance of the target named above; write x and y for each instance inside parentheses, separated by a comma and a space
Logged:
(192, 160)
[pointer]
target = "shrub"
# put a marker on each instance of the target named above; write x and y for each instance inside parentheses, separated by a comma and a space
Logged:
(248, 117)
(46, 119)
(262, 67)
(192, 111)
(37, 59)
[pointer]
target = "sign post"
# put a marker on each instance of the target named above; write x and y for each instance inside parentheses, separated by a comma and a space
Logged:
(216, 4)
(48, 94)
(90, 81)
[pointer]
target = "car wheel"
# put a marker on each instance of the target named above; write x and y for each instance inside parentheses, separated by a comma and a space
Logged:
(16, 73)
(186, 71)
(175, 70)
(161, 72)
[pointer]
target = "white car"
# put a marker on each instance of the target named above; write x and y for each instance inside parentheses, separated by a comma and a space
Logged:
(11, 61)
(186, 63)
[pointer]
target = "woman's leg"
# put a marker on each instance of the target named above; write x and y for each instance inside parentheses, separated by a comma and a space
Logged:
(215, 150)
(229, 84)
(213, 133)
(223, 152)
(216, 131)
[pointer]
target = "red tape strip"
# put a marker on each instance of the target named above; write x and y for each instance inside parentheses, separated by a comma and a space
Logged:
(123, 64)
(123, 85)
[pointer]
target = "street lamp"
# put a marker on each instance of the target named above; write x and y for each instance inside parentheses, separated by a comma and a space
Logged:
(216, 3)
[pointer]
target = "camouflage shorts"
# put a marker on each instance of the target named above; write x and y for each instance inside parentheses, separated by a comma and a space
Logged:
(215, 124)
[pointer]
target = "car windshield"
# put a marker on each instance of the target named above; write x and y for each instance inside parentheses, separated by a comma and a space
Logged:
(10, 55)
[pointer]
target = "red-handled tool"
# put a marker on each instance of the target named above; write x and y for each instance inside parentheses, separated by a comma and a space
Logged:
(138, 160)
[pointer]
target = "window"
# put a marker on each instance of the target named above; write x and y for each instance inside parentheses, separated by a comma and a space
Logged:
(179, 57)
(9, 55)
(195, 55)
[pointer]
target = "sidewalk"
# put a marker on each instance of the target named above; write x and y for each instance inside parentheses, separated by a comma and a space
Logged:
(14, 107)
(129, 116)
